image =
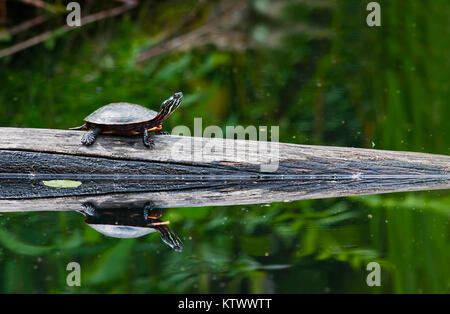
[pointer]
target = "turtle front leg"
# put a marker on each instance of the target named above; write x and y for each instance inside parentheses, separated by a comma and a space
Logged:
(89, 137)
(157, 130)
(161, 132)
(147, 138)
(151, 212)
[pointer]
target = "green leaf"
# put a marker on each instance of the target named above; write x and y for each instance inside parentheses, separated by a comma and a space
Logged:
(194, 212)
(173, 69)
(62, 184)
(256, 246)
(11, 242)
(112, 265)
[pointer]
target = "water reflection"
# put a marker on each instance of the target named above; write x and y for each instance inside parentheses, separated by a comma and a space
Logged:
(130, 222)
(308, 246)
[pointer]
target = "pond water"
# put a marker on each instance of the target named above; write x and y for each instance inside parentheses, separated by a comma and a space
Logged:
(314, 69)
(321, 246)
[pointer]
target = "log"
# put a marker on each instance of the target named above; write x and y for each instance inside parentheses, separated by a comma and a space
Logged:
(194, 171)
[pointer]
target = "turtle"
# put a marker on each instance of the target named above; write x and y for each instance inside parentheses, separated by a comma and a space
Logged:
(130, 223)
(128, 119)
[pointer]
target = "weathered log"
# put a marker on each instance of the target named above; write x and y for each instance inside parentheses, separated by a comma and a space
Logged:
(181, 171)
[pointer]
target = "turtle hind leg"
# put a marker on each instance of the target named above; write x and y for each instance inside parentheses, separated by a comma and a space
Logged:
(147, 139)
(88, 209)
(89, 137)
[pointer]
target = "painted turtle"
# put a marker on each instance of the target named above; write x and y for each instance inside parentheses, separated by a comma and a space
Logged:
(130, 223)
(128, 119)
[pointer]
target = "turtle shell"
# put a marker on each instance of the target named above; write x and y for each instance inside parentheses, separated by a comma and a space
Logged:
(121, 231)
(120, 113)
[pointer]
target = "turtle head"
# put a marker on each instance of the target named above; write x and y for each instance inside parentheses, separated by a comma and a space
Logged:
(178, 95)
(169, 237)
(172, 103)
(168, 107)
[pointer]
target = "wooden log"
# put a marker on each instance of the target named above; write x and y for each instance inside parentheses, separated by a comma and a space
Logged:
(193, 171)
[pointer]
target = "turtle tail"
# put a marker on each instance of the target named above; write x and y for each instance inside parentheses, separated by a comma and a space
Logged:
(82, 127)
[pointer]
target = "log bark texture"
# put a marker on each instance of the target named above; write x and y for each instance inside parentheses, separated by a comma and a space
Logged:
(193, 171)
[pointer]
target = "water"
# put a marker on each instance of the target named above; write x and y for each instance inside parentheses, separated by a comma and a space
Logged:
(280, 247)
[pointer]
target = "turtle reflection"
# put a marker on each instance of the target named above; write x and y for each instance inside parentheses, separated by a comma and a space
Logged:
(130, 223)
